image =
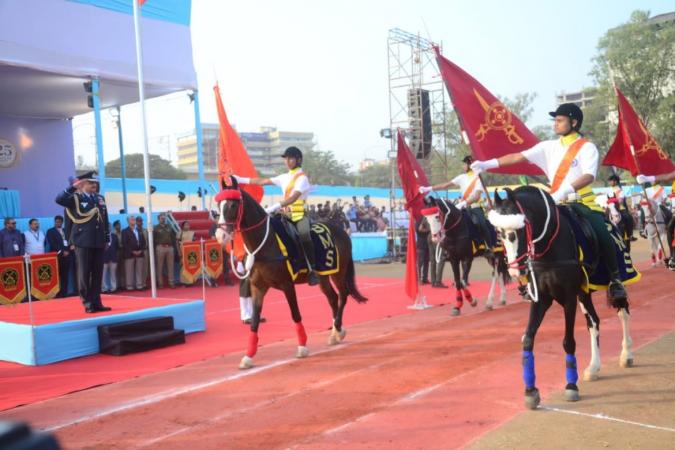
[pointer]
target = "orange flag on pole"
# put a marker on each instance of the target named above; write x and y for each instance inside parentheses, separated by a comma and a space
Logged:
(634, 149)
(488, 126)
(233, 159)
(411, 286)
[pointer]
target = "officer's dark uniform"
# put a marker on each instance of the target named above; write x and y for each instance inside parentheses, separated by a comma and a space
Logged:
(88, 229)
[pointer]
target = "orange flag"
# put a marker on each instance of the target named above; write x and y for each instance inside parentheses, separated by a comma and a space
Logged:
(411, 287)
(634, 149)
(233, 159)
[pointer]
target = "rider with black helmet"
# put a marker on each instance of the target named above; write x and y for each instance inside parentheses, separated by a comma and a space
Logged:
(571, 165)
(295, 188)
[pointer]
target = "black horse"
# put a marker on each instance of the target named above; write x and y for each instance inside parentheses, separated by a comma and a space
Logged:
(266, 266)
(450, 227)
(541, 246)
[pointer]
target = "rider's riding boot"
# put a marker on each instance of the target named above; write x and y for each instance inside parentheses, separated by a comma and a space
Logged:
(616, 291)
(312, 277)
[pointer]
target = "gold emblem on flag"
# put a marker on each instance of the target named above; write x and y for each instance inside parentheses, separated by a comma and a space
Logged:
(498, 118)
(650, 144)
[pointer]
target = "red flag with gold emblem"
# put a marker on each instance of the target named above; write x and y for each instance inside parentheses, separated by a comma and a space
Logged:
(12, 280)
(488, 126)
(412, 177)
(44, 276)
(191, 259)
(213, 253)
(645, 156)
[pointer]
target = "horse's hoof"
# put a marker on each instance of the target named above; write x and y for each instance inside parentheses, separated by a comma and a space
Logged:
(488, 307)
(532, 399)
(626, 362)
(246, 363)
(333, 338)
(455, 312)
(303, 352)
(503, 302)
(571, 395)
(342, 334)
(474, 303)
(590, 376)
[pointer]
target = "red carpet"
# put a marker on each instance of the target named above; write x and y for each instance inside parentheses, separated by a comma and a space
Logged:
(225, 334)
(61, 310)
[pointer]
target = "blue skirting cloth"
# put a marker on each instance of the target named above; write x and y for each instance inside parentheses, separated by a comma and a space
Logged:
(10, 206)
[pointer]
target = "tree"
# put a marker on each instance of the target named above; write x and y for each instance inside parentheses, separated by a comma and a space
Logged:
(159, 168)
(323, 168)
(639, 57)
(377, 175)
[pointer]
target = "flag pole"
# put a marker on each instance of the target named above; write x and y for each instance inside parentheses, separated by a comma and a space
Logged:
(146, 157)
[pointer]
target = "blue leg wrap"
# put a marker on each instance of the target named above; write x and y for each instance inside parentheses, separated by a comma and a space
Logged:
(528, 369)
(571, 369)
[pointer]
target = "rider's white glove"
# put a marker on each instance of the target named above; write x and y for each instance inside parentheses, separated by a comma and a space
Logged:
(241, 180)
(425, 189)
(562, 193)
(461, 205)
(481, 166)
(273, 208)
(642, 179)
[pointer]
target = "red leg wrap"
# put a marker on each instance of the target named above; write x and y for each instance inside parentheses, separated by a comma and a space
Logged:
(458, 298)
(467, 295)
(252, 344)
(302, 335)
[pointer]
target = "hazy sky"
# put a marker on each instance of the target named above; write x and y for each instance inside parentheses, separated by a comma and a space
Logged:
(321, 66)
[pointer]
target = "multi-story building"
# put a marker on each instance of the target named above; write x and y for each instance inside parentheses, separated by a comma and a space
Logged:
(264, 148)
(581, 98)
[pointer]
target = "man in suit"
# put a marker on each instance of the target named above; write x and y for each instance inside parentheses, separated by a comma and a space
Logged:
(89, 231)
(133, 243)
(57, 242)
(12, 241)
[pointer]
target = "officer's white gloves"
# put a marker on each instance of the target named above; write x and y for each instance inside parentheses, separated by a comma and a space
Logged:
(562, 193)
(642, 179)
(481, 166)
(273, 208)
(425, 189)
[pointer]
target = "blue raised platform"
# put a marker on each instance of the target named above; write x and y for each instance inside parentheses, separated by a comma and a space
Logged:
(63, 331)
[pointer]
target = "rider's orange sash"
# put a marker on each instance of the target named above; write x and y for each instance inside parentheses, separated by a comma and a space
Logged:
(291, 184)
(566, 163)
(469, 189)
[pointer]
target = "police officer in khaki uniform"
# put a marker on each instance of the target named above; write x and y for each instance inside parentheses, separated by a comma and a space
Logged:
(87, 228)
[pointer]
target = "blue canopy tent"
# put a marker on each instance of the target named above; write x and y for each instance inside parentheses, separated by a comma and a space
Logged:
(43, 68)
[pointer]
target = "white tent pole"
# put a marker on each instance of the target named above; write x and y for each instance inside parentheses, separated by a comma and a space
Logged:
(146, 158)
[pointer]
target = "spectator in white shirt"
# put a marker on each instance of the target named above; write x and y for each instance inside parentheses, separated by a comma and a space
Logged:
(35, 239)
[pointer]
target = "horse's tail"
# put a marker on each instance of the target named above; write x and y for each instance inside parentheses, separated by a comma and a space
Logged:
(351, 283)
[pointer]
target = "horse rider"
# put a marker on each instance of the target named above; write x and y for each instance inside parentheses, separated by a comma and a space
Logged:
(622, 205)
(472, 193)
(571, 165)
(295, 186)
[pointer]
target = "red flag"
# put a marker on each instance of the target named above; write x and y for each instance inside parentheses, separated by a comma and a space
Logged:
(648, 157)
(232, 155)
(411, 287)
(488, 127)
(412, 177)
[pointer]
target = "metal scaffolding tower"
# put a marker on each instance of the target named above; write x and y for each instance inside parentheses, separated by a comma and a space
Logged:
(413, 73)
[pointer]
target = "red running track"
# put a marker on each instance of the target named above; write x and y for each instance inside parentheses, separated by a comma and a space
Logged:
(224, 334)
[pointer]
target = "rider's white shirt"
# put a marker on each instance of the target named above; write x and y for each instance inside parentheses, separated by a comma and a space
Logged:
(301, 184)
(659, 198)
(548, 155)
(464, 180)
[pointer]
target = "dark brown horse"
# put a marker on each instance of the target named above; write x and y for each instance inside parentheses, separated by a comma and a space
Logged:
(266, 266)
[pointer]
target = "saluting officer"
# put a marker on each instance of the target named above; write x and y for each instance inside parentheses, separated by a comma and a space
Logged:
(88, 230)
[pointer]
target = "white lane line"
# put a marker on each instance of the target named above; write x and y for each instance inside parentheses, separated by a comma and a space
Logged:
(172, 393)
(601, 416)
(311, 387)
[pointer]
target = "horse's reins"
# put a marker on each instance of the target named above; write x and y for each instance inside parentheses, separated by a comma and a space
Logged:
(236, 225)
(530, 256)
